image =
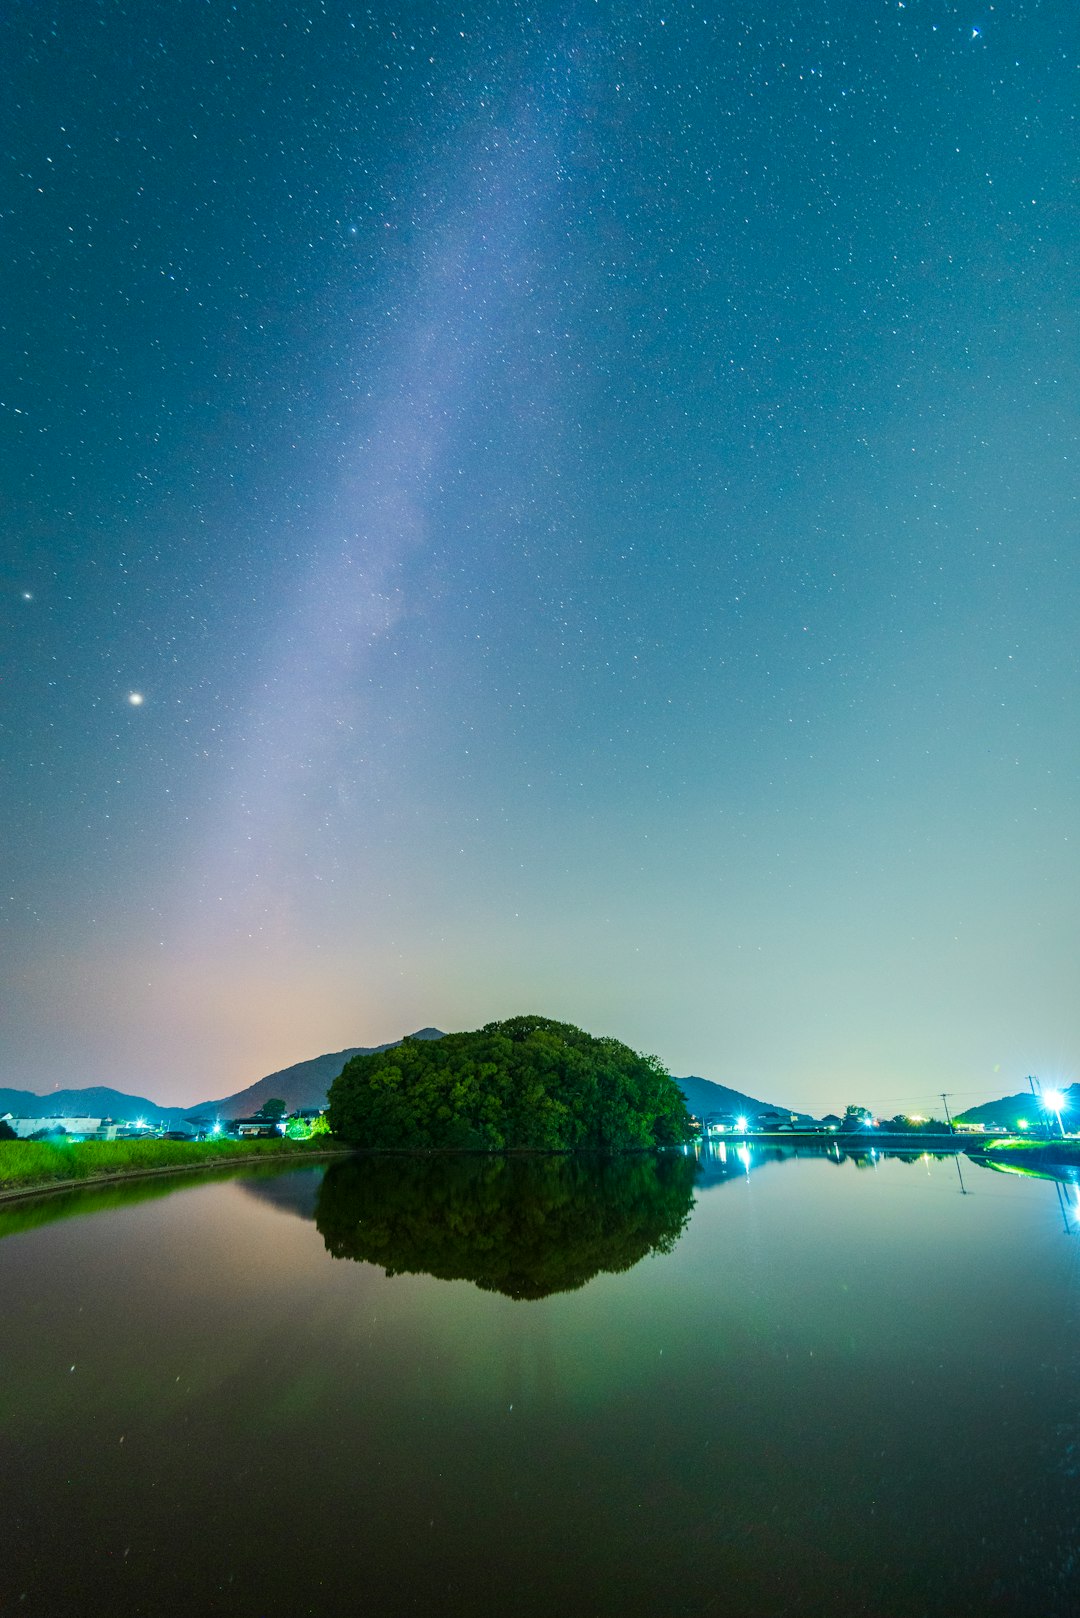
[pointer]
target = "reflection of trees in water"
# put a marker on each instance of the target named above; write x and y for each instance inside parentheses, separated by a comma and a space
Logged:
(525, 1227)
(296, 1191)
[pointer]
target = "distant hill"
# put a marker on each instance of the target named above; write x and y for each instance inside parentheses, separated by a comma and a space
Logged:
(98, 1101)
(1007, 1113)
(303, 1085)
(703, 1097)
(306, 1084)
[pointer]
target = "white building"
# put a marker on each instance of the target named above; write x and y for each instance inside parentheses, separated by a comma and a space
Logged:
(70, 1125)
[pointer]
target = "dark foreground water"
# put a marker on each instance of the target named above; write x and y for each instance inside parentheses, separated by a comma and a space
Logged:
(838, 1390)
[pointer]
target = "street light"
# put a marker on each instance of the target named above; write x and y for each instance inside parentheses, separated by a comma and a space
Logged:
(1053, 1101)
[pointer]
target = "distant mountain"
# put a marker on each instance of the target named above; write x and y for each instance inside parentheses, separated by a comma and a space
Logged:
(704, 1098)
(303, 1085)
(1007, 1113)
(306, 1084)
(98, 1101)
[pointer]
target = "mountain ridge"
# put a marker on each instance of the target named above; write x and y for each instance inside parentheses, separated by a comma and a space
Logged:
(1006, 1111)
(301, 1085)
(705, 1097)
(95, 1101)
(305, 1084)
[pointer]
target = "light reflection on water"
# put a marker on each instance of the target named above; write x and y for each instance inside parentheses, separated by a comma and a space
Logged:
(849, 1387)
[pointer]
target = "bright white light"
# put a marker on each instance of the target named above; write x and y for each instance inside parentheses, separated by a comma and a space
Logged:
(136, 699)
(740, 1124)
(1053, 1100)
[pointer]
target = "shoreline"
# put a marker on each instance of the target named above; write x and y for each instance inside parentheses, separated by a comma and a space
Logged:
(42, 1188)
(1064, 1154)
(861, 1140)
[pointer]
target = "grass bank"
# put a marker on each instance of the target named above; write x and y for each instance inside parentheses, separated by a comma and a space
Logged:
(28, 1165)
(1063, 1153)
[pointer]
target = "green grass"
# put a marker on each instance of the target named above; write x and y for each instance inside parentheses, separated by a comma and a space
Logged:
(27, 1163)
(1036, 1151)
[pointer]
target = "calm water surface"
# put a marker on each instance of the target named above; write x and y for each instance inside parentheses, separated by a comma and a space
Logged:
(794, 1387)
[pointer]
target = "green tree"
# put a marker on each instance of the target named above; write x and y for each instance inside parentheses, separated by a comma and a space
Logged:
(273, 1110)
(6, 1131)
(528, 1083)
(306, 1128)
(902, 1124)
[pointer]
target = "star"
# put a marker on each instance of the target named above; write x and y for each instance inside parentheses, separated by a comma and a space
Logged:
(136, 699)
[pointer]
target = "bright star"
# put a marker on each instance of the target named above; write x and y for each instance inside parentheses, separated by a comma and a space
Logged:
(136, 699)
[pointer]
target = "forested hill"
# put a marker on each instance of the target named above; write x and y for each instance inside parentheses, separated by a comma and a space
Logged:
(305, 1084)
(526, 1083)
(704, 1098)
(96, 1101)
(1007, 1112)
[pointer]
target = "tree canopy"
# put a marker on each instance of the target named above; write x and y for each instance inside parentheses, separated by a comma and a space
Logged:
(525, 1227)
(524, 1084)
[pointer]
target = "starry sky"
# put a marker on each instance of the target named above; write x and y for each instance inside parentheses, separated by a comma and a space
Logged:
(541, 507)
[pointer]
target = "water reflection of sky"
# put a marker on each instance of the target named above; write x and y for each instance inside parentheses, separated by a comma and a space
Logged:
(845, 1391)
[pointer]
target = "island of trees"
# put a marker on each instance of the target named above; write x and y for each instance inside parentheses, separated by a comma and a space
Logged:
(524, 1084)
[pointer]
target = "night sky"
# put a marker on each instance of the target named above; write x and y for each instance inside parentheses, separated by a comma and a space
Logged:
(541, 507)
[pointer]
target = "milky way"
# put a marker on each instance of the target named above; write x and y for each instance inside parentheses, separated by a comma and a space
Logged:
(561, 508)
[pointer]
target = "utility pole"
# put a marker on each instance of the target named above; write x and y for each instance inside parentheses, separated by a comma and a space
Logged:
(948, 1116)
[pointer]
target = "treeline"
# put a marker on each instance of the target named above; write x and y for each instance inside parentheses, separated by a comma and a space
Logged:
(527, 1083)
(902, 1124)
